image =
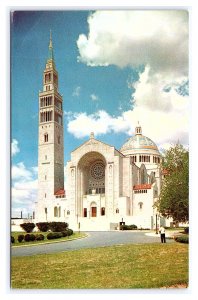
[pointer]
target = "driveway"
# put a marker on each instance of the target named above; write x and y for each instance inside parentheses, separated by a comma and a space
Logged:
(94, 239)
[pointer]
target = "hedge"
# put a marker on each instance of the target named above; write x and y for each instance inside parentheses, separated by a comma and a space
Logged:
(20, 238)
(128, 227)
(43, 226)
(58, 226)
(186, 230)
(54, 235)
(69, 231)
(28, 227)
(12, 239)
(39, 237)
(29, 237)
(182, 239)
(53, 226)
(57, 235)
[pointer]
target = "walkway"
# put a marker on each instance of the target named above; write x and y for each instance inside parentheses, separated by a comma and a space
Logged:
(94, 239)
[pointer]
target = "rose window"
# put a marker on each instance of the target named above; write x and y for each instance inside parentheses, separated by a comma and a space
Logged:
(98, 171)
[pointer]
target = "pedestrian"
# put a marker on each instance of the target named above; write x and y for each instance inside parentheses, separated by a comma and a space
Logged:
(162, 234)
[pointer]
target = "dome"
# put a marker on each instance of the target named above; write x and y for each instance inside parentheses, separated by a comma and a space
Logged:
(138, 142)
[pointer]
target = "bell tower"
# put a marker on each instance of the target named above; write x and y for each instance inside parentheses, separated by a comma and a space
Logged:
(138, 129)
(50, 139)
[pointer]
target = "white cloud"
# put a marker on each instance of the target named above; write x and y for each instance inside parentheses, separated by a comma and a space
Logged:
(94, 97)
(15, 147)
(161, 126)
(76, 92)
(100, 122)
(24, 189)
(35, 170)
(24, 185)
(19, 171)
(150, 92)
(158, 38)
(163, 115)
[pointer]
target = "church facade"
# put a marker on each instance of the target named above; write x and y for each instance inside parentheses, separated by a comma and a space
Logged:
(104, 186)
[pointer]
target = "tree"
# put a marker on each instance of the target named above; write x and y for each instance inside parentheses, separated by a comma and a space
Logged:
(174, 196)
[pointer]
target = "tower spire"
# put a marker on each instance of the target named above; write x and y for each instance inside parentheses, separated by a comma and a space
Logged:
(51, 51)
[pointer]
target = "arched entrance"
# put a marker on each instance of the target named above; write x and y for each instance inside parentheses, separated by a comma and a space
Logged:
(93, 209)
(90, 181)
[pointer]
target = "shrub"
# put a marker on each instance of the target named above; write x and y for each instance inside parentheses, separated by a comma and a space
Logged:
(182, 239)
(54, 235)
(69, 231)
(133, 226)
(186, 230)
(65, 233)
(58, 226)
(28, 227)
(12, 239)
(32, 237)
(128, 227)
(43, 226)
(39, 237)
(27, 237)
(53, 226)
(20, 238)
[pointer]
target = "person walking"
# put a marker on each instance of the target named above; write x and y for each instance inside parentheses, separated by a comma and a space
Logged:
(162, 234)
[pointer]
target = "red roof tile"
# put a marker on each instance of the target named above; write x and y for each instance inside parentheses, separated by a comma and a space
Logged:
(60, 192)
(142, 186)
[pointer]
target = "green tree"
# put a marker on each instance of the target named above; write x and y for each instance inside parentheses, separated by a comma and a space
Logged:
(174, 196)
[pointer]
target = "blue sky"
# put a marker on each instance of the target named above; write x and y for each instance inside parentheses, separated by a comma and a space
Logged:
(112, 74)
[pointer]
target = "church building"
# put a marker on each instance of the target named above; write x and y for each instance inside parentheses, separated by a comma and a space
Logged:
(104, 185)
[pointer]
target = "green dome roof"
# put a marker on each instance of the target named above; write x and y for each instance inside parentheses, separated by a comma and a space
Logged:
(139, 142)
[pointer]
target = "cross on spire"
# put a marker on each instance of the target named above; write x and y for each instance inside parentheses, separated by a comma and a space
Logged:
(50, 52)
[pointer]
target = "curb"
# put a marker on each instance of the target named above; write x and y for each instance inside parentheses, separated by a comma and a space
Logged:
(47, 243)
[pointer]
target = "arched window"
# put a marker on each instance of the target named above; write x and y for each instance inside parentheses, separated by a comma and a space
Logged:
(68, 212)
(102, 211)
(46, 137)
(140, 205)
(55, 211)
(110, 169)
(117, 210)
(85, 212)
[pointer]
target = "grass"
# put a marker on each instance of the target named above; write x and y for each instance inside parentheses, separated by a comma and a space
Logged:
(23, 243)
(126, 266)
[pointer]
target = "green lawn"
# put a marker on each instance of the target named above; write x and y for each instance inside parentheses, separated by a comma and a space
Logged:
(15, 234)
(127, 266)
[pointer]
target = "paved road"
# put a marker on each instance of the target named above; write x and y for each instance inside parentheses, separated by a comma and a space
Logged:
(94, 239)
